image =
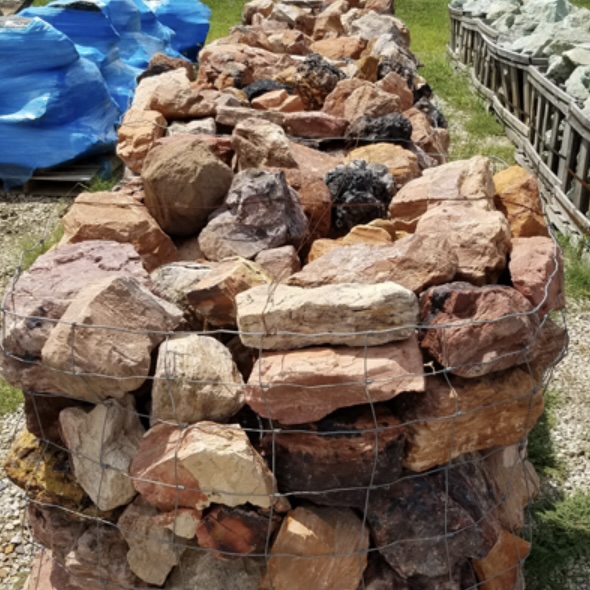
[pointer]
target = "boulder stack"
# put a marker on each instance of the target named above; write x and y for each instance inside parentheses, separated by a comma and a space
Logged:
(326, 387)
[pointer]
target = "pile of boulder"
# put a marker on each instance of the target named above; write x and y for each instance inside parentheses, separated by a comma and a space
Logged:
(552, 29)
(280, 357)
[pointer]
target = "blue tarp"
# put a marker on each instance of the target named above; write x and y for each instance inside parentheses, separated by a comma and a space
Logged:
(68, 72)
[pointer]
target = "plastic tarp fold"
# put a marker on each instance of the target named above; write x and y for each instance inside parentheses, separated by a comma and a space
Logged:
(54, 104)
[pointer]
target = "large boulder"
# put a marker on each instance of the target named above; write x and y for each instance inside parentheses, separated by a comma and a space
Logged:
(195, 379)
(184, 182)
(261, 212)
(107, 335)
(120, 218)
(282, 317)
(306, 385)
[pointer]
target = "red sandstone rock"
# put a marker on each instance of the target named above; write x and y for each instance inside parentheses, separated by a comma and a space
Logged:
(536, 270)
(395, 84)
(306, 385)
(315, 125)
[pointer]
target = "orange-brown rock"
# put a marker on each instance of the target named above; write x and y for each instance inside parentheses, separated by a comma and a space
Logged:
(120, 218)
(178, 99)
(213, 298)
(516, 480)
(502, 569)
(367, 68)
(289, 41)
(473, 331)
(479, 238)
(327, 26)
(292, 104)
(463, 180)
(318, 548)
(370, 100)
(401, 163)
(333, 461)
(339, 47)
(256, 7)
(465, 415)
(270, 100)
(230, 532)
(137, 134)
(517, 196)
(395, 84)
(306, 385)
(315, 125)
(536, 270)
(416, 262)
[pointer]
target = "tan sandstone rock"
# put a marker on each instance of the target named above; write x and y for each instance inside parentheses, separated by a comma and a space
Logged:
(282, 317)
(108, 333)
(195, 379)
(305, 385)
(213, 297)
(214, 463)
(372, 101)
(401, 163)
(108, 435)
(184, 182)
(463, 180)
(340, 47)
(319, 547)
(137, 134)
(120, 218)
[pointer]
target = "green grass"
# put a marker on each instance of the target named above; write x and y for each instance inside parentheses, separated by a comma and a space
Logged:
(577, 268)
(428, 24)
(224, 15)
(10, 398)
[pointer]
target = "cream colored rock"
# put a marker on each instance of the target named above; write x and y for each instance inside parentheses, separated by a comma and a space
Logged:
(214, 462)
(303, 386)
(148, 86)
(195, 379)
(102, 444)
(466, 415)
(259, 143)
(319, 547)
(153, 549)
(281, 317)
(179, 99)
(517, 196)
(107, 335)
(401, 163)
(213, 298)
(120, 218)
(480, 239)
(463, 180)
(137, 134)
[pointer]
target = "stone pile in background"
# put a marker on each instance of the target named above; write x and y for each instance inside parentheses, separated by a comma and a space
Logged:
(287, 354)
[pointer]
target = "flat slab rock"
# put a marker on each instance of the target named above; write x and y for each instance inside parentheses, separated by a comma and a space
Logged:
(306, 385)
(199, 465)
(282, 317)
(318, 548)
(415, 262)
(467, 415)
(108, 333)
